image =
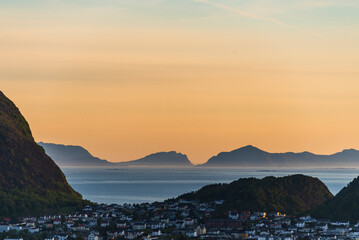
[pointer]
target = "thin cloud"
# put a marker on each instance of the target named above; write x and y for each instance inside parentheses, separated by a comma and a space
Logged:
(253, 16)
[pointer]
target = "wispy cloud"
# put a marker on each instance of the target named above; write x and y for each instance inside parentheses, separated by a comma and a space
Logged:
(254, 16)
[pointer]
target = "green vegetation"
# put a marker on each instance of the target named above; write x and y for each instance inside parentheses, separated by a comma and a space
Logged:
(30, 182)
(292, 194)
(344, 206)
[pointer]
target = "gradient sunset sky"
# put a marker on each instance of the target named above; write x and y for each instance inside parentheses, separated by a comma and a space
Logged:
(126, 78)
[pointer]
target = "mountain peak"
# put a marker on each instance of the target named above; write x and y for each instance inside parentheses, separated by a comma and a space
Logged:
(251, 156)
(12, 120)
(161, 159)
(29, 176)
(71, 155)
(348, 154)
(343, 206)
(269, 194)
(249, 147)
(350, 150)
(168, 154)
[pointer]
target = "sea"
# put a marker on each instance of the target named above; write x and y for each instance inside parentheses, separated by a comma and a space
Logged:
(140, 185)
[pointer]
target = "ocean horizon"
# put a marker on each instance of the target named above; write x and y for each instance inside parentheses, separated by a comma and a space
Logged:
(140, 185)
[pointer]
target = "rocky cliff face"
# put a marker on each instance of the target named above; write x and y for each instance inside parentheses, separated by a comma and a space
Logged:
(30, 181)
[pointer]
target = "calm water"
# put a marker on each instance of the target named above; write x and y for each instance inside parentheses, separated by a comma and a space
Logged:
(136, 185)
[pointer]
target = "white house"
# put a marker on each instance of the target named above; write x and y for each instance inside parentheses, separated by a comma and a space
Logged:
(93, 236)
(5, 228)
(300, 224)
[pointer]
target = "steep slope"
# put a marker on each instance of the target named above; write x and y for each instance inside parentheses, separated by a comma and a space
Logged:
(344, 206)
(292, 194)
(69, 156)
(161, 159)
(30, 182)
(250, 156)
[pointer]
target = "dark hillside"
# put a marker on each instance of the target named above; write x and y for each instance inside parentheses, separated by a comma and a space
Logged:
(30, 182)
(292, 194)
(344, 206)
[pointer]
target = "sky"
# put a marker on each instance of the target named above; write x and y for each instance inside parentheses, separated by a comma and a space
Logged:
(128, 78)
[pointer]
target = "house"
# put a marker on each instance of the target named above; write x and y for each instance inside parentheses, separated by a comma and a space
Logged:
(276, 226)
(191, 234)
(92, 223)
(57, 237)
(321, 226)
(239, 235)
(179, 224)
(188, 221)
(200, 230)
(288, 238)
(149, 238)
(139, 226)
(233, 215)
(158, 233)
(30, 224)
(260, 214)
(285, 221)
(87, 209)
(157, 225)
(307, 219)
(93, 236)
(131, 235)
(105, 223)
(32, 230)
(300, 224)
(5, 228)
(344, 224)
(121, 225)
(57, 221)
(223, 224)
(244, 216)
(80, 227)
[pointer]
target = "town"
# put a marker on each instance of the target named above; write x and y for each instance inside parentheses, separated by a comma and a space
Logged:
(174, 219)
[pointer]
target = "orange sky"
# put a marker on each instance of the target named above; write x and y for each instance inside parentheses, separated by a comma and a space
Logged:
(127, 81)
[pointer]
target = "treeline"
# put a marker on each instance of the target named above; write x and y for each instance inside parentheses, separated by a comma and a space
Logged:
(292, 194)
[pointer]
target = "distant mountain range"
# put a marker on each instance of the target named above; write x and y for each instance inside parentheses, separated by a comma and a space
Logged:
(76, 156)
(70, 156)
(161, 159)
(251, 156)
(31, 184)
(248, 156)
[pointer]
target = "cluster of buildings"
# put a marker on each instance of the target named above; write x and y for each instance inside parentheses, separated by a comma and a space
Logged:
(178, 219)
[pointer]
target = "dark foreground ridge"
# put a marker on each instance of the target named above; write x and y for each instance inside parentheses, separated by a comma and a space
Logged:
(200, 215)
(344, 206)
(30, 182)
(292, 194)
